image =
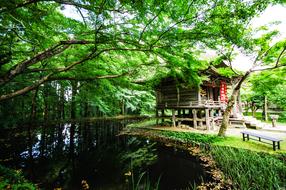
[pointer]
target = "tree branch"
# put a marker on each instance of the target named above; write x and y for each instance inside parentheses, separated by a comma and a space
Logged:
(92, 55)
(141, 34)
(20, 67)
(276, 63)
(89, 78)
(56, 49)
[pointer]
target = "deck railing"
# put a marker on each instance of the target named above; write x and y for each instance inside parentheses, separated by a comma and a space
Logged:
(206, 103)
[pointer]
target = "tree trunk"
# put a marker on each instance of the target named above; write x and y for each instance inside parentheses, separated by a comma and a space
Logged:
(122, 108)
(62, 103)
(253, 109)
(265, 108)
(230, 104)
(46, 103)
(34, 105)
(73, 102)
(240, 109)
(226, 113)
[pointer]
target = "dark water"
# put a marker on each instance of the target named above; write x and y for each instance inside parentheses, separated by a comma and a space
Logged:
(65, 154)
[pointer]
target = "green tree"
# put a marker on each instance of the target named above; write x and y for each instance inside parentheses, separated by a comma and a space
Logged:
(267, 58)
(50, 54)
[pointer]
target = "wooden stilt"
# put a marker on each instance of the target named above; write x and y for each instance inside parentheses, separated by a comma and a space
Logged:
(212, 119)
(157, 117)
(162, 115)
(219, 113)
(173, 118)
(195, 118)
(200, 118)
(207, 114)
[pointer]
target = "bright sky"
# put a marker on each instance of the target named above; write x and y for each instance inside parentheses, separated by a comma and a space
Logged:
(242, 62)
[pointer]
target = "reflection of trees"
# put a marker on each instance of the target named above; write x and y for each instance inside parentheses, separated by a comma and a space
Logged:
(64, 154)
(139, 158)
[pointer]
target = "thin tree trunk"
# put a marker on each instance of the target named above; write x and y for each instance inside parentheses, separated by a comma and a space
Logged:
(34, 105)
(253, 110)
(122, 107)
(62, 103)
(230, 104)
(265, 108)
(73, 102)
(46, 103)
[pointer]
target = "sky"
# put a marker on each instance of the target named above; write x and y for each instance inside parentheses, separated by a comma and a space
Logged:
(241, 62)
(271, 14)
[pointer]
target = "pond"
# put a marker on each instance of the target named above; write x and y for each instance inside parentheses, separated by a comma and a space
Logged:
(70, 154)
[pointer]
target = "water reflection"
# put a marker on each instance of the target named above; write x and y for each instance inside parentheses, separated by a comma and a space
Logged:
(65, 154)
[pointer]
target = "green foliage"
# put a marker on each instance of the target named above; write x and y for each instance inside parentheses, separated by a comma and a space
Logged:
(11, 179)
(125, 48)
(250, 170)
(268, 83)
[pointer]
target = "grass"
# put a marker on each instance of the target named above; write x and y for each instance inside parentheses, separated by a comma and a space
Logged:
(230, 141)
(237, 142)
(250, 170)
(191, 137)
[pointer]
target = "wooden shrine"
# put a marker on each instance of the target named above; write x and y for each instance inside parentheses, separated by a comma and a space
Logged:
(199, 107)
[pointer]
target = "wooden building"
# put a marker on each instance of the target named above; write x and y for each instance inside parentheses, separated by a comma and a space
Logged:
(199, 107)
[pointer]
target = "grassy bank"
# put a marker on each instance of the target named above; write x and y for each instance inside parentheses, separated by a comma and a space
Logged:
(188, 135)
(249, 165)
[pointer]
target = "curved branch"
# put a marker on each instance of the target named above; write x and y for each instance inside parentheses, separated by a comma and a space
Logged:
(20, 67)
(56, 49)
(92, 55)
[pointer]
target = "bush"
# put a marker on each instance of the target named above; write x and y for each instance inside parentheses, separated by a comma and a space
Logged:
(11, 179)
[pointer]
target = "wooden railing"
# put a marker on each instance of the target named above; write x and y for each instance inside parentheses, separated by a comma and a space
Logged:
(203, 104)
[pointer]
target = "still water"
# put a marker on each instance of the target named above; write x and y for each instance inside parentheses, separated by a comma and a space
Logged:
(63, 155)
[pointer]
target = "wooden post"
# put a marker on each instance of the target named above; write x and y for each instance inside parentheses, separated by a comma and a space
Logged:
(219, 113)
(212, 116)
(207, 114)
(162, 115)
(199, 95)
(200, 117)
(195, 118)
(184, 112)
(173, 118)
(157, 115)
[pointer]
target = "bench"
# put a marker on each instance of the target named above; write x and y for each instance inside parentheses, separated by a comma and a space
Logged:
(275, 141)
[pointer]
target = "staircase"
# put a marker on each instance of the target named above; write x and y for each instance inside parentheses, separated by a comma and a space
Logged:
(253, 123)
